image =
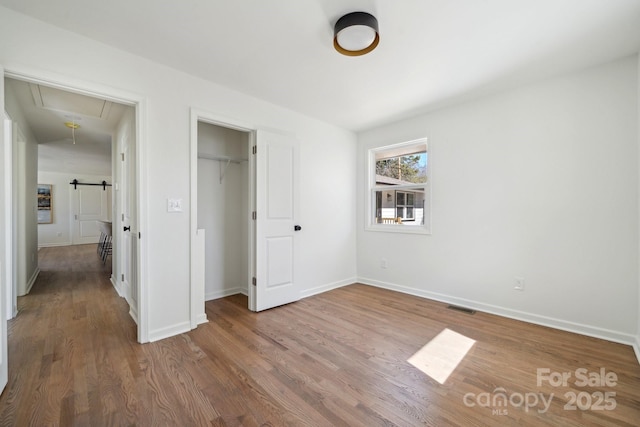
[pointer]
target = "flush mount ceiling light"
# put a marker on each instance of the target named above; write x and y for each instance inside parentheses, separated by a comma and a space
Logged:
(356, 34)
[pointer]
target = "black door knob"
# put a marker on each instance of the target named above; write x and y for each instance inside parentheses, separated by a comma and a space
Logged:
(127, 228)
(297, 228)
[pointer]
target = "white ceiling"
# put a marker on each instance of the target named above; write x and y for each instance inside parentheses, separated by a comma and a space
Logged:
(47, 109)
(432, 52)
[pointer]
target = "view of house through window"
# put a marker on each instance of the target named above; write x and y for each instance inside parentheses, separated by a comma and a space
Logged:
(400, 186)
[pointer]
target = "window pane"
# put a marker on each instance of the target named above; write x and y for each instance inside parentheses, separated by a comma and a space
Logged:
(400, 198)
(403, 169)
(386, 210)
(409, 212)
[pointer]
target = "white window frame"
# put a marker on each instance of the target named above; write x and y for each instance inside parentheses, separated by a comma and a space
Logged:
(372, 188)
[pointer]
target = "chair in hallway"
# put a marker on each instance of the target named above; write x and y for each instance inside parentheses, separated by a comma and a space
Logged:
(104, 244)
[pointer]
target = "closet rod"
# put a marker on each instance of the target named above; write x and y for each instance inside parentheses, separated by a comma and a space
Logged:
(103, 184)
(221, 158)
(225, 159)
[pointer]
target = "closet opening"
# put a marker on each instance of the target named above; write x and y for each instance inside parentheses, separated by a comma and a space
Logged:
(223, 209)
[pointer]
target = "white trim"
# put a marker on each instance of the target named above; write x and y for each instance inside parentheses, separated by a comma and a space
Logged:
(636, 348)
(70, 84)
(116, 285)
(133, 314)
(398, 228)
(6, 241)
(53, 245)
(327, 287)
(10, 289)
(578, 328)
(210, 296)
(203, 319)
(32, 280)
(169, 331)
(142, 192)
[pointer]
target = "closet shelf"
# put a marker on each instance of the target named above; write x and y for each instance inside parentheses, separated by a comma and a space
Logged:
(225, 159)
(221, 158)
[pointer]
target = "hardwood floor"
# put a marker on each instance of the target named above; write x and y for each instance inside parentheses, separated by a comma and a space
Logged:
(335, 359)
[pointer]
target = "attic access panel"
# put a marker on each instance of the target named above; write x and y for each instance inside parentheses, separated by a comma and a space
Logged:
(60, 100)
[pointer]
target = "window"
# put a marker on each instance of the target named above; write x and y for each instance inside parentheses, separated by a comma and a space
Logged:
(405, 205)
(399, 188)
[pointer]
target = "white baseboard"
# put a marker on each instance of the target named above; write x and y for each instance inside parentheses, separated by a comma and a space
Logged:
(551, 322)
(133, 313)
(304, 294)
(225, 293)
(116, 286)
(53, 245)
(202, 318)
(636, 347)
(169, 331)
(32, 280)
(324, 288)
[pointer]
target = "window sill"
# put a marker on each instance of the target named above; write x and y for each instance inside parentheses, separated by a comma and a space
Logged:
(391, 228)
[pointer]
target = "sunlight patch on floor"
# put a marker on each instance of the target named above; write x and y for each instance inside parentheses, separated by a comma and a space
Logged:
(440, 356)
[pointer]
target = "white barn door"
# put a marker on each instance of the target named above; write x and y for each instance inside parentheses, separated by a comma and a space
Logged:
(90, 205)
(276, 198)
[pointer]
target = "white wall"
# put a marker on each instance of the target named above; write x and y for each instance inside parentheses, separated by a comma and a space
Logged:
(539, 182)
(25, 154)
(58, 233)
(223, 210)
(327, 156)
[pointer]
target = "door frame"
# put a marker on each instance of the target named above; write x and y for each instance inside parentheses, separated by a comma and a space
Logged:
(6, 239)
(197, 291)
(139, 103)
(9, 133)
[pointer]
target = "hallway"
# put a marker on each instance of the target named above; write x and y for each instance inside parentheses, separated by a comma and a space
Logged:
(70, 346)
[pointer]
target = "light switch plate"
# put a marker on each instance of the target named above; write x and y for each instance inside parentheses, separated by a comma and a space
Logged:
(174, 205)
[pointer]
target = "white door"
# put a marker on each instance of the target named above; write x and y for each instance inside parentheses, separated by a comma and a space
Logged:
(5, 237)
(276, 196)
(128, 237)
(90, 205)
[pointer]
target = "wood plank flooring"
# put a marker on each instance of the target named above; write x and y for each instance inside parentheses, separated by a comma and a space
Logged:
(335, 359)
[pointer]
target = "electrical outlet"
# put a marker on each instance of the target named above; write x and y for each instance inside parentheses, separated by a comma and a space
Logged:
(383, 263)
(519, 283)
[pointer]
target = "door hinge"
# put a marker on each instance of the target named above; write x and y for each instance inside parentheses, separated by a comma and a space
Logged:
(122, 156)
(123, 217)
(254, 215)
(255, 149)
(139, 235)
(123, 277)
(254, 282)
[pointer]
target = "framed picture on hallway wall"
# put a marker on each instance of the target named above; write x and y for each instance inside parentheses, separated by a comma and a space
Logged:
(45, 204)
